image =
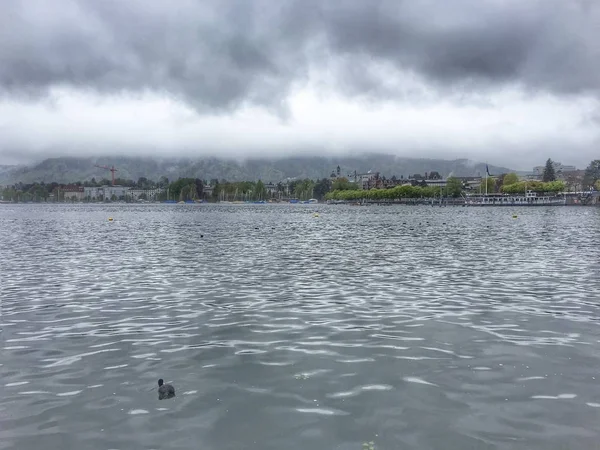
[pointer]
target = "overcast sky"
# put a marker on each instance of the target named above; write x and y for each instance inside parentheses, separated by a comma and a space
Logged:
(512, 82)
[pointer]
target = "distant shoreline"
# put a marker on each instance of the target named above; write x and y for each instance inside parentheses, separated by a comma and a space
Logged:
(320, 204)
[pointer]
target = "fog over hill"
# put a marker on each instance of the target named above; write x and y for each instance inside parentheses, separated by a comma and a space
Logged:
(510, 82)
(69, 169)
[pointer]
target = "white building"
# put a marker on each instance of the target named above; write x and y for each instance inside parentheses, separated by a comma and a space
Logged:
(71, 193)
(149, 194)
(558, 169)
(367, 180)
(106, 192)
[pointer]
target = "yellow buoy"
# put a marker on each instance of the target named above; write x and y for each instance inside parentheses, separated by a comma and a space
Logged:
(316, 215)
(514, 216)
(110, 219)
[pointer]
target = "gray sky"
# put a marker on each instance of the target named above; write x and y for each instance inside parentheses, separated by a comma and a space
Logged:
(512, 82)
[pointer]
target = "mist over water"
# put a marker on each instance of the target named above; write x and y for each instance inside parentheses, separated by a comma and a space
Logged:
(412, 327)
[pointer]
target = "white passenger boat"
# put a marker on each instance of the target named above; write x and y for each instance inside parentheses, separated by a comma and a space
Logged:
(529, 199)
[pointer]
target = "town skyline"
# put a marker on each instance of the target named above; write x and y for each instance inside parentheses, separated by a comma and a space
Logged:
(552, 177)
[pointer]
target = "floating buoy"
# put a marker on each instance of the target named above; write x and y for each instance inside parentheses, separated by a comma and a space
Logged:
(514, 216)
(316, 215)
(110, 219)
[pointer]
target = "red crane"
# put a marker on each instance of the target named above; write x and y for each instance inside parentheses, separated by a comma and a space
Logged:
(112, 170)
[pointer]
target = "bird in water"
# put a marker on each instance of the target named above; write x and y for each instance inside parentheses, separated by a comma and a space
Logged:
(165, 390)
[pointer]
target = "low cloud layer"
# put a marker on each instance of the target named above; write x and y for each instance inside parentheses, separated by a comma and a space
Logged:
(188, 70)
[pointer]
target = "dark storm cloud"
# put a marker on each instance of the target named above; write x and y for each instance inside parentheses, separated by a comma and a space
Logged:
(218, 54)
(466, 44)
(215, 56)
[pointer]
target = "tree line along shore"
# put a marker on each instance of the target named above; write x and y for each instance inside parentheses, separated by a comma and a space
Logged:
(335, 188)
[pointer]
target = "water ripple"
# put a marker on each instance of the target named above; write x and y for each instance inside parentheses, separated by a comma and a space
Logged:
(413, 327)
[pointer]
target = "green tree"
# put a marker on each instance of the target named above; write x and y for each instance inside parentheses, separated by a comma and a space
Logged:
(292, 187)
(592, 173)
(216, 190)
(322, 187)
(191, 192)
(163, 182)
(260, 192)
(398, 192)
(499, 182)
(183, 189)
(597, 185)
(454, 187)
(142, 183)
(491, 185)
(553, 187)
(304, 189)
(574, 181)
(510, 178)
(9, 194)
(549, 174)
(280, 189)
(535, 186)
(342, 184)
(199, 188)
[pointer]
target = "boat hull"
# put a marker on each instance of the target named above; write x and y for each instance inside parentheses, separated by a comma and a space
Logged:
(525, 205)
(512, 202)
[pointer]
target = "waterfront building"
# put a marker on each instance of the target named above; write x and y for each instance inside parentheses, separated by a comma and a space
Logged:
(559, 169)
(369, 180)
(106, 192)
(145, 194)
(72, 193)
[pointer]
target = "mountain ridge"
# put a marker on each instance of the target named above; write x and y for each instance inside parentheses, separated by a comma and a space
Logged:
(72, 169)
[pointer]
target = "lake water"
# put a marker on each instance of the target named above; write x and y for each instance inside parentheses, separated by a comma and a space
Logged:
(411, 327)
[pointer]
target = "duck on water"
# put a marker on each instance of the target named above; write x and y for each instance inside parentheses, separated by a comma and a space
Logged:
(165, 390)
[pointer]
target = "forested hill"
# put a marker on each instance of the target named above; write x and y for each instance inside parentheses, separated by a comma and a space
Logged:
(68, 169)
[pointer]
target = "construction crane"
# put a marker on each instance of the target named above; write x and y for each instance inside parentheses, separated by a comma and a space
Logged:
(112, 170)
